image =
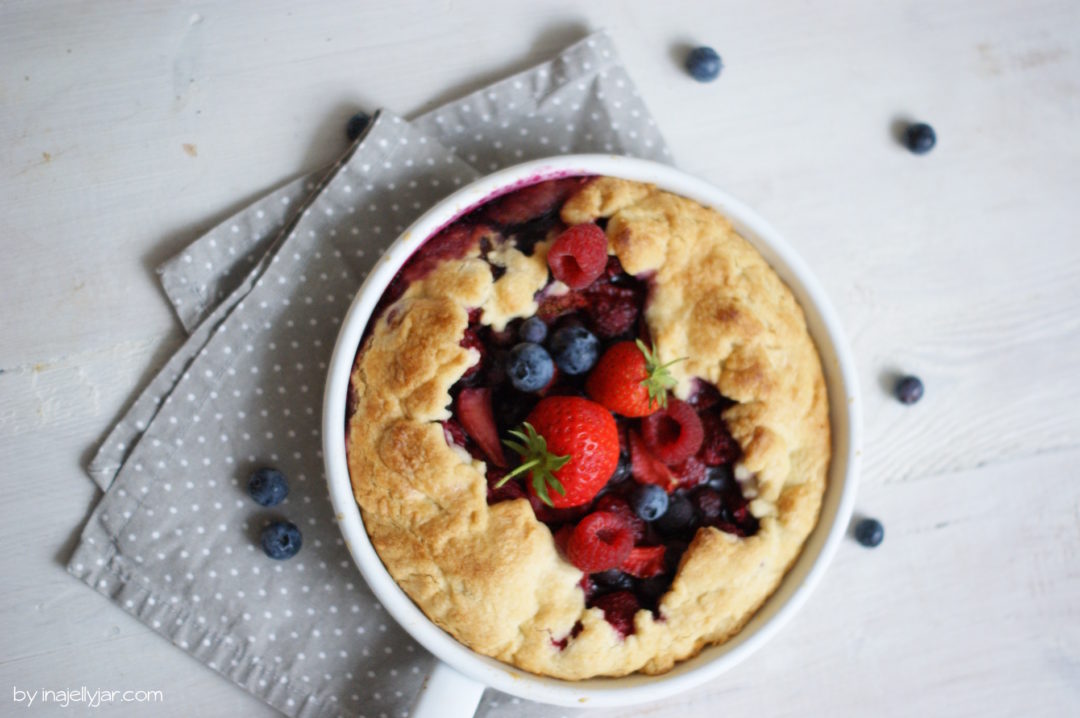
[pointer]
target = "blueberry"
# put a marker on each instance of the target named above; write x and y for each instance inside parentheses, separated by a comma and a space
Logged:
(268, 487)
(653, 589)
(673, 555)
(533, 330)
(720, 478)
(281, 540)
(623, 470)
(869, 532)
(703, 64)
(575, 350)
(649, 501)
(920, 138)
(909, 389)
(679, 515)
(356, 125)
(613, 580)
(529, 367)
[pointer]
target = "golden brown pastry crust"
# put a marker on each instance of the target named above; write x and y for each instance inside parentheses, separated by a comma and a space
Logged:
(490, 575)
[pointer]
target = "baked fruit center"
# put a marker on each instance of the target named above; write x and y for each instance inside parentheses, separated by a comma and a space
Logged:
(570, 409)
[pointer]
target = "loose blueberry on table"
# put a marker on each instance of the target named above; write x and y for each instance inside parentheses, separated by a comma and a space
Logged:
(909, 389)
(920, 138)
(268, 487)
(572, 410)
(281, 540)
(356, 125)
(703, 64)
(869, 532)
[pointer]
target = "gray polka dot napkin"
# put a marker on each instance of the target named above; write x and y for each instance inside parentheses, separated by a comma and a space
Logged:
(175, 539)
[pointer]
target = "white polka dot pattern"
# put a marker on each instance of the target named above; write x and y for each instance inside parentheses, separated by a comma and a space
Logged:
(175, 540)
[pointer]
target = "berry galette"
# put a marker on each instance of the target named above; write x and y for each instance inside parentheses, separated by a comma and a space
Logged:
(588, 429)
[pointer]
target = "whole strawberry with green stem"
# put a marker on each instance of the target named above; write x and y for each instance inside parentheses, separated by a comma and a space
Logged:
(630, 380)
(570, 448)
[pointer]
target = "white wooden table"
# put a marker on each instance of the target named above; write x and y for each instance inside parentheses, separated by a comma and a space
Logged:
(962, 266)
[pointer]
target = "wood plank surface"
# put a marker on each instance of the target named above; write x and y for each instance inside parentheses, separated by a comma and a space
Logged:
(126, 129)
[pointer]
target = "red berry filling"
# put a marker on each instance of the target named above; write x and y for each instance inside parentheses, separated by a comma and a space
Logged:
(613, 310)
(644, 561)
(718, 446)
(646, 468)
(627, 563)
(615, 504)
(673, 434)
(579, 255)
(619, 610)
(532, 202)
(474, 411)
(600, 541)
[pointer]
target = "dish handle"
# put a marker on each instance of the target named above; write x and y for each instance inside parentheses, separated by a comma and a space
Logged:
(447, 694)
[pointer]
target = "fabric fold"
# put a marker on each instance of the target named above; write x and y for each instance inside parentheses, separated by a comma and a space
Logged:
(174, 541)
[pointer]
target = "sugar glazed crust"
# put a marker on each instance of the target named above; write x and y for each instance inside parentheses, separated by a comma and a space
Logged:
(491, 575)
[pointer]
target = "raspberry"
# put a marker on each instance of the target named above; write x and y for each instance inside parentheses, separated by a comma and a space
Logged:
(619, 609)
(690, 472)
(647, 469)
(579, 255)
(718, 447)
(644, 561)
(673, 434)
(617, 505)
(612, 310)
(600, 541)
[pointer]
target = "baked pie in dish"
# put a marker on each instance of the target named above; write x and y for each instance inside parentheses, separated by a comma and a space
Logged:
(587, 428)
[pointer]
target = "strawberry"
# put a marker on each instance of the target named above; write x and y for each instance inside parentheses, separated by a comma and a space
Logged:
(646, 468)
(579, 255)
(619, 609)
(569, 444)
(630, 380)
(600, 541)
(674, 433)
(531, 202)
(644, 561)
(476, 417)
(454, 242)
(554, 306)
(471, 340)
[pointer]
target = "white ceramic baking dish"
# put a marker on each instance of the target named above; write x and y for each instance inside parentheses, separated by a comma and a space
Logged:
(456, 685)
